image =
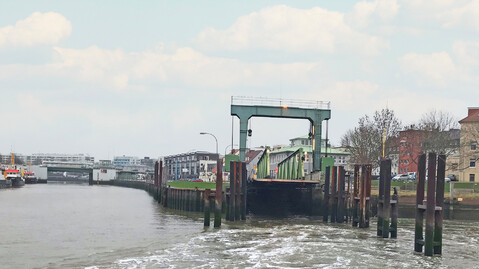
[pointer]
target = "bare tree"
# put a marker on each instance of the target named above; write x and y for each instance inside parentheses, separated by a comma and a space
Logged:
(365, 142)
(441, 133)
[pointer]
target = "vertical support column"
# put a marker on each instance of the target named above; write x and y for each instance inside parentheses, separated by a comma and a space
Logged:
(90, 178)
(219, 193)
(394, 214)
(232, 200)
(369, 170)
(317, 144)
(160, 181)
(326, 194)
(341, 178)
(243, 137)
(362, 198)
(421, 178)
(356, 198)
(334, 195)
(156, 173)
(239, 171)
(439, 214)
(207, 208)
(245, 192)
(431, 204)
(382, 177)
(386, 196)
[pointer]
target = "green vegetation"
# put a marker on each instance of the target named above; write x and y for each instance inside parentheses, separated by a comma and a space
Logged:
(192, 185)
(409, 185)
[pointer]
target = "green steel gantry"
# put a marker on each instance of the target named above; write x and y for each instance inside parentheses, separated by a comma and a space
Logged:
(246, 107)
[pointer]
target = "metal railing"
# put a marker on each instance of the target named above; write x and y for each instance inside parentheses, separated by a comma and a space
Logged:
(263, 165)
(278, 102)
(293, 166)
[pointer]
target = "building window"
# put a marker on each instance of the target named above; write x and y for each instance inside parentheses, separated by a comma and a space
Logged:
(471, 177)
(473, 145)
(472, 163)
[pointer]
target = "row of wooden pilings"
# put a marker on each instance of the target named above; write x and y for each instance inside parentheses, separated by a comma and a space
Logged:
(231, 202)
(352, 203)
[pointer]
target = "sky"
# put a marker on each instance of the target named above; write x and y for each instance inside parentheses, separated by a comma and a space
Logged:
(144, 78)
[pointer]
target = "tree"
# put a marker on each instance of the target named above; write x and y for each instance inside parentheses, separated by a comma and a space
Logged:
(441, 133)
(365, 142)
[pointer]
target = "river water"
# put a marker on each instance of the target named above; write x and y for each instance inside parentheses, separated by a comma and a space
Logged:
(81, 226)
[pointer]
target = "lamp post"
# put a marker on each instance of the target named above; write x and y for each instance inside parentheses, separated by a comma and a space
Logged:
(229, 146)
(204, 133)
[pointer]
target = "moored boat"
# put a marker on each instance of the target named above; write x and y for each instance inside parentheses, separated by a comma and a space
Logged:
(14, 176)
(30, 178)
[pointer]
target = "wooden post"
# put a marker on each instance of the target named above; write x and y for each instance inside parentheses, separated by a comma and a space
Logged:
(326, 194)
(232, 204)
(421, 178)
(207, 208)
(382, 178)
(430, 205)
(341, 178)
(238, 177)
(386, 165)
(439, 214)
(394, 214)
(362, 198)
(244, 189)
(160, 180)
(334, 196)
(157, 164)
(356, 198)
(219, 193)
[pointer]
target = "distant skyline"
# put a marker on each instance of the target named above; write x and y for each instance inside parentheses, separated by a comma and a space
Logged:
(144, 78)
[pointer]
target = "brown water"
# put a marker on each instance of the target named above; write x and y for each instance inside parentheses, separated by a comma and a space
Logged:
(78, 226)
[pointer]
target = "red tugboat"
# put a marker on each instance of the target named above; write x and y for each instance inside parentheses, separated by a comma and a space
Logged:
(30, 178)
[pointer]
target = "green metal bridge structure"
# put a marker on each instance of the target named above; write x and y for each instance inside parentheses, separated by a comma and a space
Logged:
(315, 111)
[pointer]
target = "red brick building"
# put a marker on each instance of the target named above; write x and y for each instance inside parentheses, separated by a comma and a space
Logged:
(410, 146)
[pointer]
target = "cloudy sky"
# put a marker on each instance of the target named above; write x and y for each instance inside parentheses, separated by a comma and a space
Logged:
(144, 78)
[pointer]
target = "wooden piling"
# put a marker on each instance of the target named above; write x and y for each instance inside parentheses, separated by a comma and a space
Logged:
(394, 214)
(238, 176)
(341, 178)
(356, 200)
(439, 213)
(244, 191)
(386, 201)
(334, 195)
(326, 194)
(420, 178)
(207, 208)
(219, 193)
(232, 200)
(382, 178)
(430, 205)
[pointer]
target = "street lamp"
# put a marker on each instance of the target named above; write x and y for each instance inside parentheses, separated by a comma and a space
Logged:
(204, 133)
(229, 146)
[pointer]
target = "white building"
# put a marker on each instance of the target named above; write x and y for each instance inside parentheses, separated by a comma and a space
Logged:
(126, 161)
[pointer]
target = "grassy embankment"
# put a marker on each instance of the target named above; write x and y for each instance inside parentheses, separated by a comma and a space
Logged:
(192, 185)
(409, 188)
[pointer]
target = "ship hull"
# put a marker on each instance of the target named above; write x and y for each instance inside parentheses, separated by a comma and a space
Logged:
(17, 182)
(31, 180)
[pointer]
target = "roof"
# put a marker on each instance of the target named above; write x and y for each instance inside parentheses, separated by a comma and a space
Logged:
(308, 149)
(11, 171)
(472, 115)
(304, 137)
(251, 154)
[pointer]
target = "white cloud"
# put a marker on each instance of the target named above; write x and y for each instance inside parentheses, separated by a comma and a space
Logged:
(364, 12)
(449, 13)
(467, 53)
(284, 28)
(184, 65)
(37, 29)
(435, 68)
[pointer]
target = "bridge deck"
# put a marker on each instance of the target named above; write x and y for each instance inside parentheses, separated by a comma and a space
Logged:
(295, 181)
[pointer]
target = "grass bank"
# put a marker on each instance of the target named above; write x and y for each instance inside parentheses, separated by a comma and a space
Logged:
(192, 185)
